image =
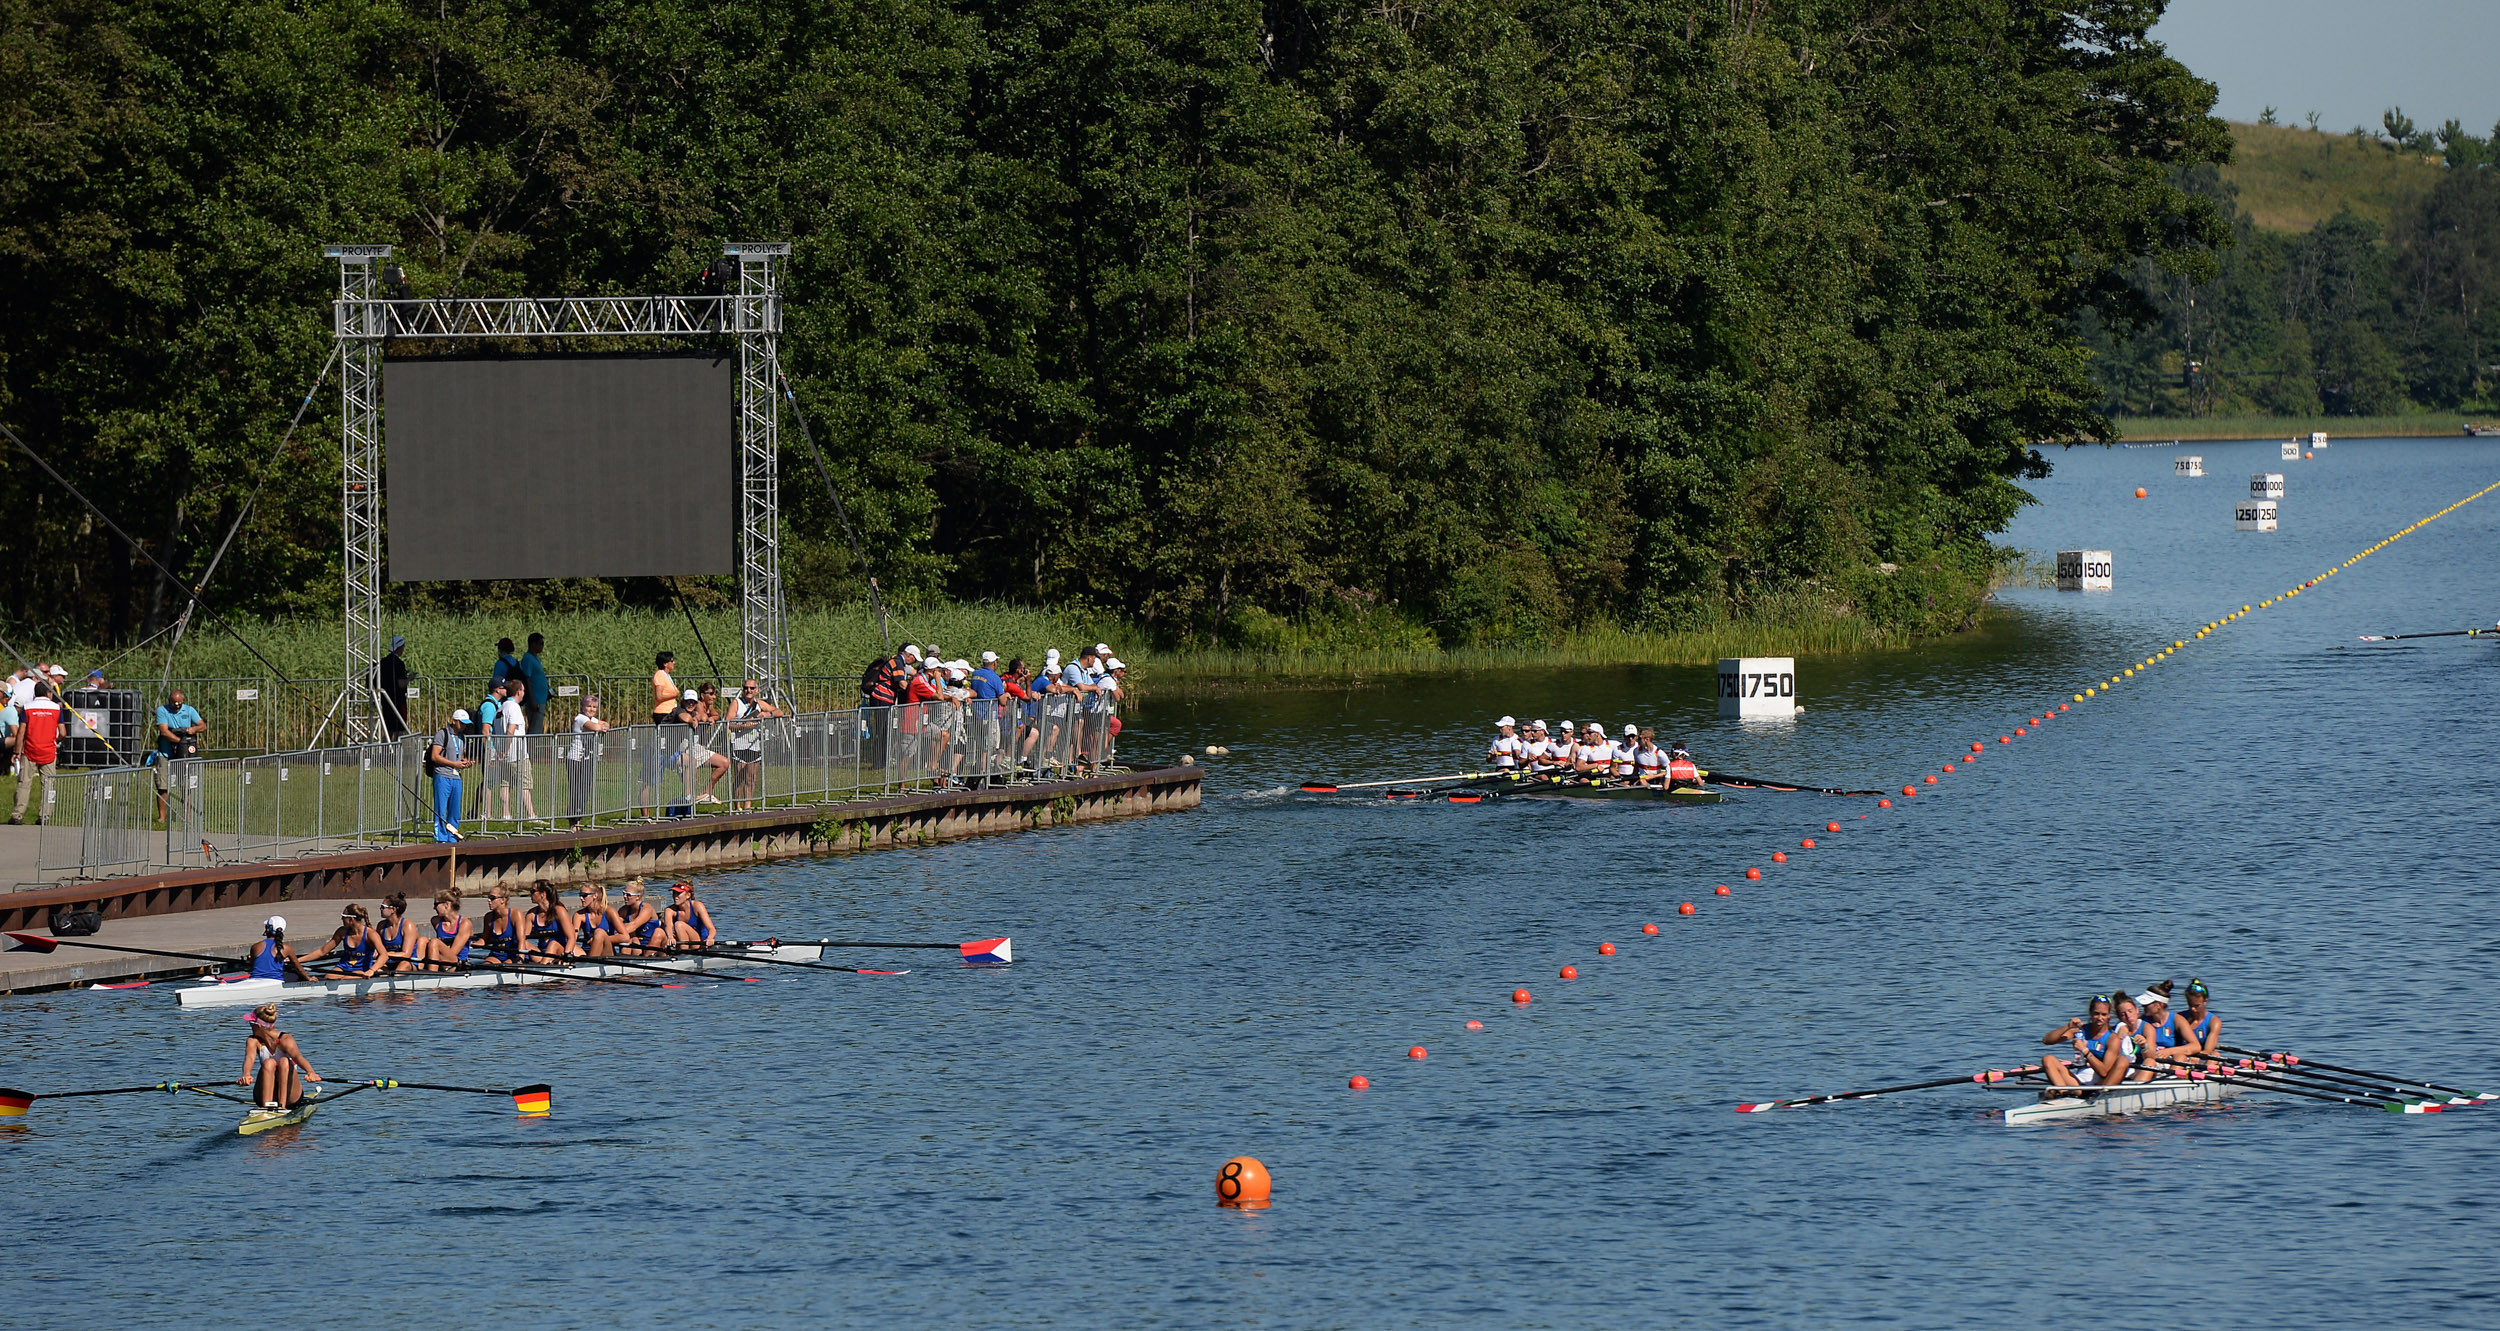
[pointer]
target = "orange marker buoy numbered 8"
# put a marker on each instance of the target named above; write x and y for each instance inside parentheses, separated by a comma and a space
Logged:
(1242, 1182)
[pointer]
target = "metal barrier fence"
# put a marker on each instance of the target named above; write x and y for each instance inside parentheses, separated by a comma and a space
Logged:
(198, 812)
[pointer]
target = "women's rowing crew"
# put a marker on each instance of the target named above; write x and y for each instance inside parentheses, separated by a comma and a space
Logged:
(2123, 1037)
(1589, 754)
(547, 932)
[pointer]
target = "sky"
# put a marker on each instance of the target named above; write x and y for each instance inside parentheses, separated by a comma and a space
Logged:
(2347, 60)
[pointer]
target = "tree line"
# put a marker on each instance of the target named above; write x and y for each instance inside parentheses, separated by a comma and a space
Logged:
(2346, 319)
(1500, 316)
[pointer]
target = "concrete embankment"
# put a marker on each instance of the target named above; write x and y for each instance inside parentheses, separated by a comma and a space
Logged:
(229, 898)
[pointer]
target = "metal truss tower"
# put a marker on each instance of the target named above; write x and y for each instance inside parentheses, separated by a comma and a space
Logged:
(755, 319)
(360, 333)
(749, 312)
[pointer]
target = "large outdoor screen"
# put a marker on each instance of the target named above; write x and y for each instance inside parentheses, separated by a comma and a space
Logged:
(559, 467)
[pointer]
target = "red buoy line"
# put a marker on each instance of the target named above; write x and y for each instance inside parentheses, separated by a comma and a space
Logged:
(2023, 729)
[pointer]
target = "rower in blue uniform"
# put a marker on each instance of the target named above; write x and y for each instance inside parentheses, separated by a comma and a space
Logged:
(271, 958)
(357, 945)
(2095, 1037)
(448, 948)
(499, 930)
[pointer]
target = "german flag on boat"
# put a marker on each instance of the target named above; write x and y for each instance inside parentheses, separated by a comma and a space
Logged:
(14, 1104)
(533, 1099)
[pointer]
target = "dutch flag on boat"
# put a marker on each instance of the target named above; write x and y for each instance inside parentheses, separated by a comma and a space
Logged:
(990, 951)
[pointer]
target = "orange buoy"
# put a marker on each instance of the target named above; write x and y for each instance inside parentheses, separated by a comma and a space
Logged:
(1415, 1051)
(1475, 1025)
(1519, 995)
(1357, 1082)
(1779, 857)
(1948, 767)
(2139, 492)
(1649, 928)
(1886, 804)
(1685, 909)
(1754, 874)
(1571, 972)
(2005, 739)
(1605, 949)
(2061, 707)
(1720, 890)
(1808, 843)
(1242, 1182)
(2021, 731)
(1930, 780)
(1831, 827)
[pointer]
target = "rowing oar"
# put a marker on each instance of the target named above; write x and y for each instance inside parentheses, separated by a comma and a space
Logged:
(2452, 633)
(2479, 1097)
(14, 1104)
(1757, 783)
(2283, 1066)
(39, 943)
(532, 1099)
(649, 966)
(1324, 788)
(784, 961)
(994, 951)
(2257, 1075)
(1983, 1078)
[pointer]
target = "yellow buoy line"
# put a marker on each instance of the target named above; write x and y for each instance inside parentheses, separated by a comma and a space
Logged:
(2179, 645)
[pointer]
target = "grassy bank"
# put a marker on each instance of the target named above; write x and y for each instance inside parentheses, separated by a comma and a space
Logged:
(2293, 179)
(837, 643)
(2187, 428)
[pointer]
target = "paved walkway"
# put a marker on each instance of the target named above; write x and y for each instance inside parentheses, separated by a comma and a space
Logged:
(229, 932)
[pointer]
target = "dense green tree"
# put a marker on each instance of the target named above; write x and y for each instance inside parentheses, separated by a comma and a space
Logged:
(1488, 318)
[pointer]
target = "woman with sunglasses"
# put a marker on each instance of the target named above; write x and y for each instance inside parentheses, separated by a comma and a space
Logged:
(2103, 1051)
(597, 927)
(547, 930)
(445, 945)
(357, 946)
(637, 922)
(689, 922)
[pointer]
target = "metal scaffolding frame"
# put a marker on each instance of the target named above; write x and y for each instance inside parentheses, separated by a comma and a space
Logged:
(750, 314)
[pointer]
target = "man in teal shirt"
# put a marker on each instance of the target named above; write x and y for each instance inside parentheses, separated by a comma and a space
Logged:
(533, 674)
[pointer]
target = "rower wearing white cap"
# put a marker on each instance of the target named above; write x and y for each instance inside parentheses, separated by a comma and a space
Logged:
(271, 958)
(1596, 755)
(2167, 1039)
(1504, 753)
(1624, 749)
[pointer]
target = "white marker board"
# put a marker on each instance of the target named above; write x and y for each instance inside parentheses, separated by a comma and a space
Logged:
(1757, 686)
(2266, 485)
(2317, 439)
(2291, 450)
(2188, 466)
(2254, 515)
(2083, 571)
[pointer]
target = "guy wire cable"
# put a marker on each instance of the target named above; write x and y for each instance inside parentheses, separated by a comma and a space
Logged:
(153, 562)
(875, 600)
(182, 622)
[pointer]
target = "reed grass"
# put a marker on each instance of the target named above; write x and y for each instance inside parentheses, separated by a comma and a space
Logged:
(2138, 429)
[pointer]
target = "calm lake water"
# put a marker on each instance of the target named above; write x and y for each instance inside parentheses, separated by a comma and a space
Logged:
(2307, 822)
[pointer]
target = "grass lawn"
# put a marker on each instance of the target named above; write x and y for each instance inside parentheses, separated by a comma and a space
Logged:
(2293, 179)
(2183, 428)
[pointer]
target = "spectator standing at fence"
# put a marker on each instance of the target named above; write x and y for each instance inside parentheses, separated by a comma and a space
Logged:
(747, 714)
(665, 695)
(178, 731)
(703, 717)
(534, 691)
(989, 707)
(507, 670)
(39, 754)
(489, 758)
(445, 758)
(390, 680)
(581, 760)
(513, 725)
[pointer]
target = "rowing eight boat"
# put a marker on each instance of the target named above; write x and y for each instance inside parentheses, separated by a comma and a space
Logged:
(247, 992)
(2127, 1098)
(1523, 786)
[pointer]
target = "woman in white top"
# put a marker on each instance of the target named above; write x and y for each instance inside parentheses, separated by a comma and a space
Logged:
(581, 760)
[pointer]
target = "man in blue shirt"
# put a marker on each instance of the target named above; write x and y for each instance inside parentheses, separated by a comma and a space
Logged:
(178, 729)
(534, 690)
(987, 692)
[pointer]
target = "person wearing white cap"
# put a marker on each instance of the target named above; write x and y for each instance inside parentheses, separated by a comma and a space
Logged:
(1596, 757)
(1624, 749)
(445, 758)
(981, 731)
(1562, 751)
(1503, 754)
(2167, 1039)
(271, 958)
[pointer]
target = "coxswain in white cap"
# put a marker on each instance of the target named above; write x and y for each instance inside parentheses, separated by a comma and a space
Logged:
(1504, 753)
(271, 958)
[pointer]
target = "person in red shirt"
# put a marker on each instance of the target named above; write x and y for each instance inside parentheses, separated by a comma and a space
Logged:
(918, 723)
(39, 753)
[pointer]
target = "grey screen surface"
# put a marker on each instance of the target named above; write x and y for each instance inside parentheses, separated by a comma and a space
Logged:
(559, 467)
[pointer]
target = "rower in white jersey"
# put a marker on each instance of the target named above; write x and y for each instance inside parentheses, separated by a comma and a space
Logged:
(1623, 751)
(1507, 748)
(1649, 762)
(1563, 757)
(1596, 757)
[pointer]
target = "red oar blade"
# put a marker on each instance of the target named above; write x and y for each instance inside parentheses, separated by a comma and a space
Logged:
(31, 943)
(989, 951)
(1315, 788)
(14, 1104)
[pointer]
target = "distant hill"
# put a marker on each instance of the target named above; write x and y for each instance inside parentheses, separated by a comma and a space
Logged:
(2293, 179)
